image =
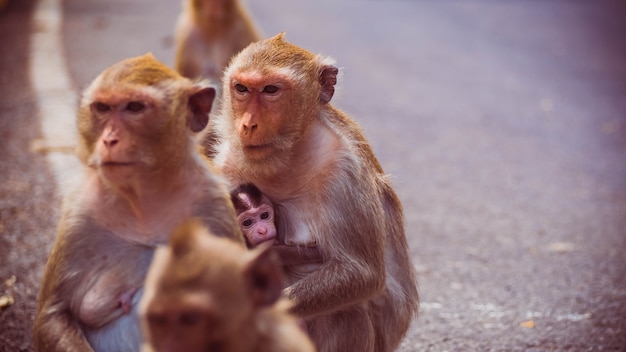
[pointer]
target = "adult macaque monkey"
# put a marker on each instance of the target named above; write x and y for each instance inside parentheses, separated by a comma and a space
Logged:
(312, 161)
(208, 34)
(255, 214)
(205, 293)
(143, 176)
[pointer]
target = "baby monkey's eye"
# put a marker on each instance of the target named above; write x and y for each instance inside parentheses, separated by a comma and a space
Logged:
(247, 223)
(265, 215)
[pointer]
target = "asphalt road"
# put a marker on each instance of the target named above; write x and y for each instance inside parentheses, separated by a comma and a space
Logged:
(502, 123)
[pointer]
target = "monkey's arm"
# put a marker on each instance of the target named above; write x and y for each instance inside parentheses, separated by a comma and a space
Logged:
(351, 225)
(297, 255)
(55, 328)
(57, 331)
(187, 58)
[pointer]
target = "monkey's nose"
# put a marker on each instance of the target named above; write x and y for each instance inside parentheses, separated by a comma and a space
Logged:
(248, 124)
(110, 142)
(249, 127)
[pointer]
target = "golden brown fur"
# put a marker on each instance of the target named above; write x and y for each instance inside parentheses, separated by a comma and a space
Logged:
(205, 293)
(208, 34)
(143, 176)
(315, 165)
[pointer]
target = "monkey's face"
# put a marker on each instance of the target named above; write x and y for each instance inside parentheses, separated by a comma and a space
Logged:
(123, 133)
(267, 112)
(257, 224)
(139, 116)
(195, 299)
(189, 321)
(274, 90)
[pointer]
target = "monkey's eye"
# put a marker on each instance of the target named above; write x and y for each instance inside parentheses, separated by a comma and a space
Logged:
(101, 107)
(265, 215)
(189, 318)
(241, 88)
(157, 320)
(247, 222)
(135, 106)
(270, 89)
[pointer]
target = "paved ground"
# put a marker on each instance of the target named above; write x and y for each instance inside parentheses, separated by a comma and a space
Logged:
(502, 123)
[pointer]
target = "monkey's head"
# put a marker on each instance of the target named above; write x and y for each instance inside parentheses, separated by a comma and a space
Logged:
(139, 115)
(272, 91)
(255, 214)
(211, 14)
(202, 291)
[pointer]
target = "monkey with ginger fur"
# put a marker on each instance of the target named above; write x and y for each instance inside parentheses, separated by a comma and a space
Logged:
(208, 34)
(205, 293)
(280, 132)
(143, 176)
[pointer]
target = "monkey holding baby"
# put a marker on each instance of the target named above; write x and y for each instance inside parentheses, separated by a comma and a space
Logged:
(256, 217)
(143, 176)
(313, 164)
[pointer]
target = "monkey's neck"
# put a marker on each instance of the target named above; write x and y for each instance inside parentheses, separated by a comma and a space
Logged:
(142, 201)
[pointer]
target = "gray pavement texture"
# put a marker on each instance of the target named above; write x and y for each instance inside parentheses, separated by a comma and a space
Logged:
(502, 124)
(28, 204)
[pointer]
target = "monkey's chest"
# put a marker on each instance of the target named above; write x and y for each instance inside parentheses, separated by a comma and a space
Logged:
(301, 234)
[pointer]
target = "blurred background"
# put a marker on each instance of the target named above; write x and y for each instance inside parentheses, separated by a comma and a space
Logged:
(501, 123)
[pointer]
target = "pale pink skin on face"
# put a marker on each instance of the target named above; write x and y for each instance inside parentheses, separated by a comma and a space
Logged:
(257, 224)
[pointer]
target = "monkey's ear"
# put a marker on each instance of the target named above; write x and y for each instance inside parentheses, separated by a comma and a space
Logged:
(183, 238)
(328, 79)
(200, 104)
(264, 276)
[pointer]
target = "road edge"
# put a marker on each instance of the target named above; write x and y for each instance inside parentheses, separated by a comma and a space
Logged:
(56, 98)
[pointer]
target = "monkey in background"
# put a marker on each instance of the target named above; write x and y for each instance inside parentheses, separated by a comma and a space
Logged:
(208, 34)
(205, 293)
(280, 132)
(143, 176)
(256, 216)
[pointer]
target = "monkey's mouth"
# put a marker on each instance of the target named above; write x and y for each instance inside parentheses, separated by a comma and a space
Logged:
(256, 147)
(116, 164)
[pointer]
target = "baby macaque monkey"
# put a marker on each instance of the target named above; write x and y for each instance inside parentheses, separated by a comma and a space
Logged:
(255, 214)
(205, 293)
(208, 34)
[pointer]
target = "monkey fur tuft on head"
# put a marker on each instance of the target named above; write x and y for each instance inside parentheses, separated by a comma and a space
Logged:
(144, 70)
(276, 54)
